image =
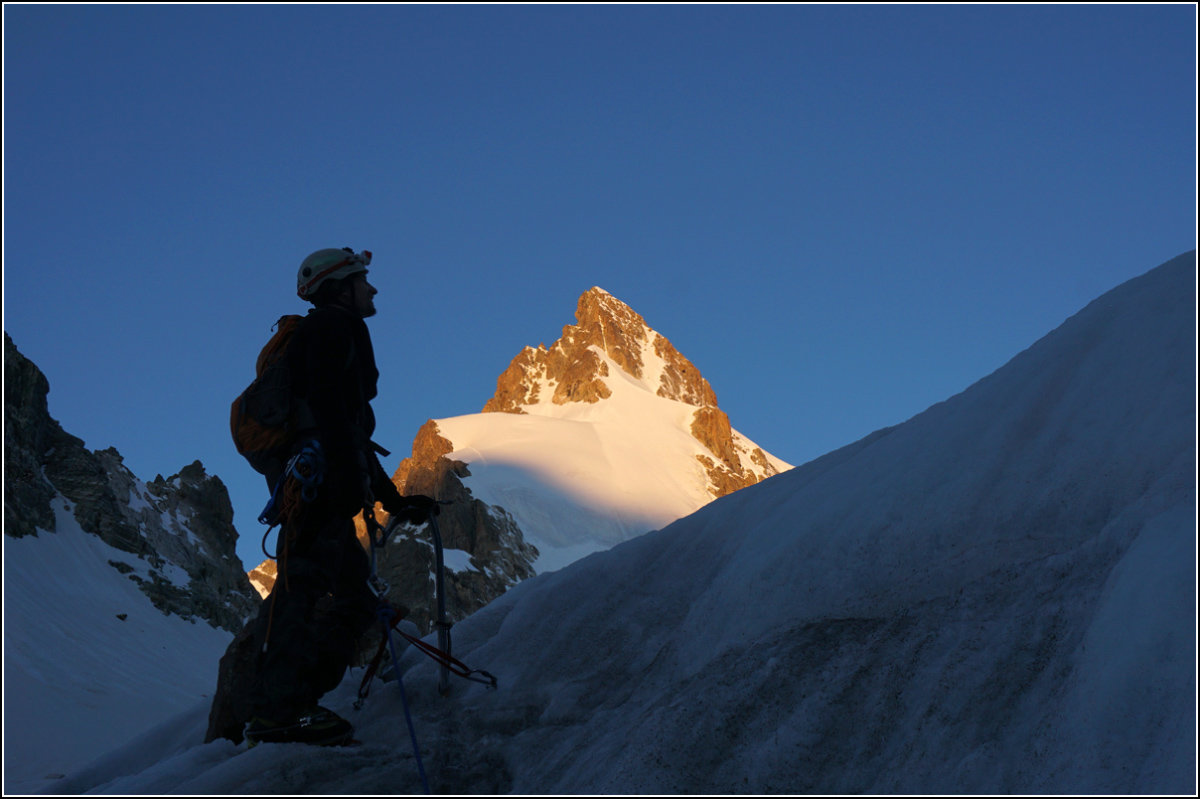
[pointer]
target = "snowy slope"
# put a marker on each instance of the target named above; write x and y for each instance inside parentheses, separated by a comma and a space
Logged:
(78, 679)
(580, 477)
(997, 596)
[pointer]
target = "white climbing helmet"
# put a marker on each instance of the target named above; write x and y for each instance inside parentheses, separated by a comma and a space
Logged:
(329, 264)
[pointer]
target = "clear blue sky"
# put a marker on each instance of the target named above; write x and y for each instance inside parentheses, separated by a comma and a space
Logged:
(841, 214)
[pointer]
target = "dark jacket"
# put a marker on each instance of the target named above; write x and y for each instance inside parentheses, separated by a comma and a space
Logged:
(333, 372)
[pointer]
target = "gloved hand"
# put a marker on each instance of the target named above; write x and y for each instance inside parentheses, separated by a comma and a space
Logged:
(415, 509)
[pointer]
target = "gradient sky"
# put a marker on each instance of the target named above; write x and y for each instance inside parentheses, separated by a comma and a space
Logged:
(840, 214)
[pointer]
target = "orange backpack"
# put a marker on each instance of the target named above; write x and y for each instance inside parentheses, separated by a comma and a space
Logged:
(265, 418)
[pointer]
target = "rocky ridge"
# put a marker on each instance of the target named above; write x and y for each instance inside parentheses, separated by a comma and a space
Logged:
(493, 556)
(262, 577)
(181, 526)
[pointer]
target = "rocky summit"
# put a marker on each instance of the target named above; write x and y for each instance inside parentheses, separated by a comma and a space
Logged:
(181, 526)
(575, 369)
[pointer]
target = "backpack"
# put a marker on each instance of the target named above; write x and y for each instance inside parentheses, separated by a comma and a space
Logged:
(265, 418)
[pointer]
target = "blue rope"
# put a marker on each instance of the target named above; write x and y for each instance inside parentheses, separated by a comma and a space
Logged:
(385, 614)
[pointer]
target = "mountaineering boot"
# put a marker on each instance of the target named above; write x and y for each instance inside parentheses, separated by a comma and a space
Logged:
(319, 726)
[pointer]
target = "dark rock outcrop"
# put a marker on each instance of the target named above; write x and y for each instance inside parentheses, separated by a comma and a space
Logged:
(182, 526)
(30, 439)
(499, 554)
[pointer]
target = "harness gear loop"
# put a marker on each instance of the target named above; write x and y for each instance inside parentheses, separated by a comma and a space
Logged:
(299, 482)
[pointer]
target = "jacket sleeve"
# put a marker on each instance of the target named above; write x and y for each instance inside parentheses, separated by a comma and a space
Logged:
(383, 488)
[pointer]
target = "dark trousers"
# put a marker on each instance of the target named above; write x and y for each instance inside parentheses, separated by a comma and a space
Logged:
(308, 628)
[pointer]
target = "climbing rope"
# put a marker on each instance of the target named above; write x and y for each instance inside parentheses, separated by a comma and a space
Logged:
(412, 731)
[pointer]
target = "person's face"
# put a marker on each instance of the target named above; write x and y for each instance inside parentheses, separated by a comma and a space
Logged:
(362, 295)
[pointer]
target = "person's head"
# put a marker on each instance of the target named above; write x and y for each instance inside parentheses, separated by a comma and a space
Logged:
(333, 277)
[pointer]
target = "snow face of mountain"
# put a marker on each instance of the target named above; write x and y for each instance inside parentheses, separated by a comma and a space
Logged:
(89, 661)
(604, 435)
